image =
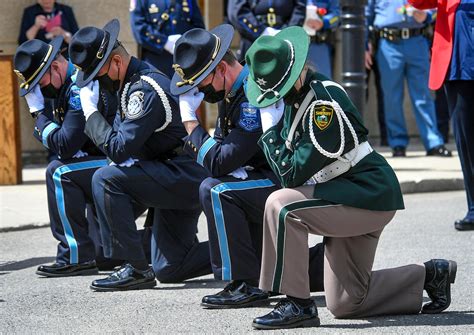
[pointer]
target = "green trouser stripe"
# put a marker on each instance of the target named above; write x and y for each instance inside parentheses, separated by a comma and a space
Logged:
(280, 252)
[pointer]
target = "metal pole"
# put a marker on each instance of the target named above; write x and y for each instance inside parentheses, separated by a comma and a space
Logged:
(353, 32)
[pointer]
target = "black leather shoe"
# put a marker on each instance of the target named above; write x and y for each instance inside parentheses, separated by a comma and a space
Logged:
(399, 152)
(126, 278)
(235, 294)
(288, 314)
(464, 224)
(441, 274)
(440, 151)
(67, 270)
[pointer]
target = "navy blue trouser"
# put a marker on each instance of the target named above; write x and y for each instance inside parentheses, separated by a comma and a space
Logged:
(120, 192)
(460, 97)
(234, 209)
(68, 185)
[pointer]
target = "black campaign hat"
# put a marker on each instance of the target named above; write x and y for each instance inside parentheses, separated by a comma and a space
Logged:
(89, 49)
(32, 59)
(196, 54)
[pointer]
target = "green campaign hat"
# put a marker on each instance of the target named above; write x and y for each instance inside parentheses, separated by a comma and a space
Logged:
(275, 64)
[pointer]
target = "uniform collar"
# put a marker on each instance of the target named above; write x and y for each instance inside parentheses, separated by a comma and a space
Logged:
(133, 67)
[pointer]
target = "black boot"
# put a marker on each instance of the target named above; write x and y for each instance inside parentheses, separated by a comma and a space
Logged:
(126, 278)
(288, 314)
(464, 224)
(440, 274)
(235, 294)
(67, 270)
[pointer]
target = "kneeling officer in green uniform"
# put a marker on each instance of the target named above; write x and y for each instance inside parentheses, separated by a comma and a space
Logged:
(336, 186)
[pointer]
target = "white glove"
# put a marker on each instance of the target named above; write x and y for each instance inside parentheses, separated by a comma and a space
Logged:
(269, 31)
(80, 154)
(239, 173)
(170, 42)
(35, 99)
(188, 104)
(272, 114)
(129, 162)
(89, 98)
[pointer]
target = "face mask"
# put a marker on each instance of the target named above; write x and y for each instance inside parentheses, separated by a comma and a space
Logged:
(49, 91)
(108, 83)
(210, 94)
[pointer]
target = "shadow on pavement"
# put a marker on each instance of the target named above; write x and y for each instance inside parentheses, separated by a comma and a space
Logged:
(454, 318)
(193, 284)
(27, 263)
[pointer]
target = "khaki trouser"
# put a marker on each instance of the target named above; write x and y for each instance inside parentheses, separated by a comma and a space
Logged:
(352, 289)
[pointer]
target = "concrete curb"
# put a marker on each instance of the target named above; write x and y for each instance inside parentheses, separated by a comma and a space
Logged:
(432, 185)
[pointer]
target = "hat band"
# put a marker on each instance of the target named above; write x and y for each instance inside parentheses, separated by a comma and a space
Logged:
(190, 81)
(26, 83)
(276, 93)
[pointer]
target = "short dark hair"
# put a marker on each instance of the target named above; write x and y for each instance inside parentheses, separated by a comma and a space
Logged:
(229, 57)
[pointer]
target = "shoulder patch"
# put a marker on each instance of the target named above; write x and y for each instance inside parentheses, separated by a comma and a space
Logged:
(322, 116)
(135, 108)
(249, 117)
(74, 98)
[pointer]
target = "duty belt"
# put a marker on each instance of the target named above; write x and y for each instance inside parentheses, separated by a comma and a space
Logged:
(321, 36)
(338, 167)
(394, 34)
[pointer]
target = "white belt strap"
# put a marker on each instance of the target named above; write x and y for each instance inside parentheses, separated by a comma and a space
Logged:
(298, 117)
(339, 167)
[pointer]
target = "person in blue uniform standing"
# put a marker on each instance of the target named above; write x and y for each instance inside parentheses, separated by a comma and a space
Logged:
(45, 73)
(46, 20)
(403, 53)
(157, 24)
(320, 24)
(252, 18)
(147, 169)
(233, 197)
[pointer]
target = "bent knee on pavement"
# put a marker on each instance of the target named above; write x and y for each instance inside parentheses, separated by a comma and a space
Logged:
(345, 307)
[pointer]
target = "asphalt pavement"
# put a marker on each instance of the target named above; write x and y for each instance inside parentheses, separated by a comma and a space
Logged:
(33, 305)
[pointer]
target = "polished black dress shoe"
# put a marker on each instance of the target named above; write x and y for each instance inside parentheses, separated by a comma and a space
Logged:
(67, 270)
(464, 224)
(126, 278)
(288, 314)
(235, 294)
(399, 152)
(440, 274)
(440, 151)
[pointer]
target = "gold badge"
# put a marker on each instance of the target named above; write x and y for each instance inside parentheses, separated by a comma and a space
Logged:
(153, 9)
(323, 116)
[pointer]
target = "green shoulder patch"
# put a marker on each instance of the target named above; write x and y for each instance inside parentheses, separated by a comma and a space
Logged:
(322, 116)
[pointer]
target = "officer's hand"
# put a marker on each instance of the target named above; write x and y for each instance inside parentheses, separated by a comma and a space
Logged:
(35, 100)
(169, 45)
(239, 173)
(80, 154)
(89, 98)
(188, 104)
(272, 114)
(315, 24)
(40, 21)
(269, 31)
(420, 16)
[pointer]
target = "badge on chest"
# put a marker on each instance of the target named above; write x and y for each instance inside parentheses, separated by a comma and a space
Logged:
(249, 117)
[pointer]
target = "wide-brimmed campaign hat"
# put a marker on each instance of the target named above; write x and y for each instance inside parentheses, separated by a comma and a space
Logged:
(196, 54)
(89, 49)
(32, 59)
(275, 64)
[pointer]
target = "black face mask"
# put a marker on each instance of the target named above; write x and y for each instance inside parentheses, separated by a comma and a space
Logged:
(210, 94)
(107, 83)
(49, 91)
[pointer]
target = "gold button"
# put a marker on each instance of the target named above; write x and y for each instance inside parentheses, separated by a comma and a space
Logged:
(195, 150)
(147, 33)
(174, 21)
(245, 20)
(158, 40)
(250, 25)
(255, 30)
(172, 9)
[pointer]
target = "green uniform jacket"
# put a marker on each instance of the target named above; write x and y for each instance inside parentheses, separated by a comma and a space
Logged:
(371, 184)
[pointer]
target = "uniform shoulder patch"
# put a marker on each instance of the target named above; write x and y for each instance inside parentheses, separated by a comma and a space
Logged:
(322, 116)
(74, 98)
(135, 108)
(249, 117)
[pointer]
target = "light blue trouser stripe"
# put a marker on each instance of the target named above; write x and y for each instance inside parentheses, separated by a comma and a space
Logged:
(46, 131)
(219, 216)
(57, 175)
(210, 142)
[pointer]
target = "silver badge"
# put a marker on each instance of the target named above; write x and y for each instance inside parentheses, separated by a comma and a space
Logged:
(135, 106)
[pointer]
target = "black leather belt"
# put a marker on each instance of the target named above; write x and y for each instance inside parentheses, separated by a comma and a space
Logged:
(394, 34)
(321, 36)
